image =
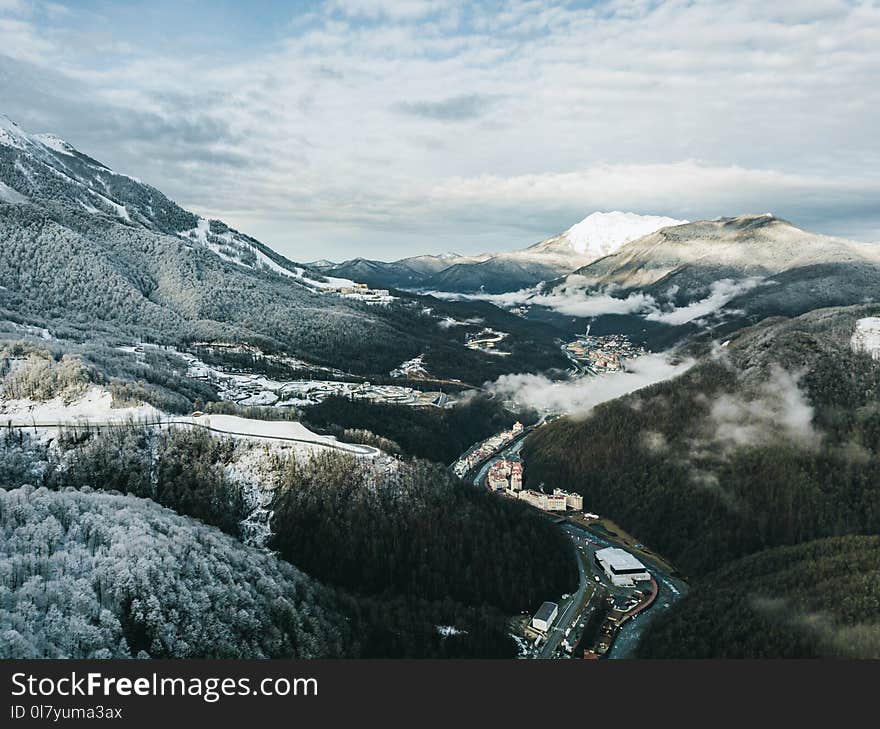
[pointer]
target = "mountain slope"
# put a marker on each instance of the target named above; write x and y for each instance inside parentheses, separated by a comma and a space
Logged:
(718, 274)
(497, 275)
(91, 254)
(46, 170)
(770, 440)
(702, 252)
(766, 612)
(599, 234)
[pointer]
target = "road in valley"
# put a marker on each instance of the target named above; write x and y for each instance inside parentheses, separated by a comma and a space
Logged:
(586, 541)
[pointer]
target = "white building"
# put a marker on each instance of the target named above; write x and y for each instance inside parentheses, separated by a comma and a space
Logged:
(542, 500)
(572, 501)
(496, 479)
(516, 474)
(545, 616)
(621, 567)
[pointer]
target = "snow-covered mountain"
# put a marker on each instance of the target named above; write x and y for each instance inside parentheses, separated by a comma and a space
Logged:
(737, 269)
(597, 235)
(46, 169)
(601, 234)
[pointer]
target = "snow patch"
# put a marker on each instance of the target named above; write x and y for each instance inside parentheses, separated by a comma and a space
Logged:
(601, 234)
(449, 630)
(95, 406)
(866, 337)
(56, 144)
(9, 195)
(414, 367)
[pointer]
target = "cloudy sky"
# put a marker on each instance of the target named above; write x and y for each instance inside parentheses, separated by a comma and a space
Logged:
(386, 128)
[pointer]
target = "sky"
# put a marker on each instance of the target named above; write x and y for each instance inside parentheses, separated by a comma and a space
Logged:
(383, 128)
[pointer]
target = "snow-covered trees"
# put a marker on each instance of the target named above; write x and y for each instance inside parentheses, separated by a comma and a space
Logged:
(97, 575)
(39, 377)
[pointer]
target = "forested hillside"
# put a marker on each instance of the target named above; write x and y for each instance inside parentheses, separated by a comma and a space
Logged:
(92, 575)
(432, 433)
(84, 275)
(417, 532)
(771, 440)
(821, 598)
(408, 549)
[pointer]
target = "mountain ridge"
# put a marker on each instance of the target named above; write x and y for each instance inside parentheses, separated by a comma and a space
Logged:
(595, 236)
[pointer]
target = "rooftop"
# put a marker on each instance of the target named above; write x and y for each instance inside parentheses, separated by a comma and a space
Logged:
(619, 559)
(545, 612)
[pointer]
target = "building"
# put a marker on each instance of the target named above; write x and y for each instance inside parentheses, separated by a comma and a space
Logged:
(572, 501)
(517, 428)
(554, 503)
(621, 567)
(543, 501)
(545, 616)
(516, 474)
(496, 479)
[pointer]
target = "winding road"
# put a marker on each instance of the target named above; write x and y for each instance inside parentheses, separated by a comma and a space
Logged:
(586, 541)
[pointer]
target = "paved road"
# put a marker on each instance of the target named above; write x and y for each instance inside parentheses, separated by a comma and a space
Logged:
(570, 613)
(587, 542)
(671, 589)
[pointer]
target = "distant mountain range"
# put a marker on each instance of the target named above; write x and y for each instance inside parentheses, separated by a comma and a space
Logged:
(597, 235)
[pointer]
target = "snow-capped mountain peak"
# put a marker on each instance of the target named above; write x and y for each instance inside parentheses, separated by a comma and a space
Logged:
(601, 234)
(55, 143)
(12, 135)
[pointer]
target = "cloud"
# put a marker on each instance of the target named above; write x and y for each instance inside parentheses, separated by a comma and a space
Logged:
(779, 410)
(318, 129)
(579, 303)
(580, 396)
(455, 108)
(577, 296)
(394, 9)
(720, 293)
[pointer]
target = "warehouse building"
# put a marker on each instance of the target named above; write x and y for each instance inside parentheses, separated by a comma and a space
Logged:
(621, 567)
(545, 616)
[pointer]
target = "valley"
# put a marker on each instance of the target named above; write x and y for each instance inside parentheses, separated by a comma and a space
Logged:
(582, 628)
(431, 457)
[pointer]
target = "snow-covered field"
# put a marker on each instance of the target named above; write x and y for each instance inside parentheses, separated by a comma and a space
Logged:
(272, 430)
(866, 337)
(95, 405)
